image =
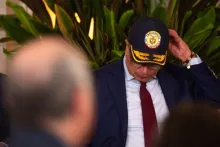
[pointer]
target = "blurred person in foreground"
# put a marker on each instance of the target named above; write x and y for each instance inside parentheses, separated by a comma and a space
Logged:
(137, 92)
(191, 125)
(50, 95)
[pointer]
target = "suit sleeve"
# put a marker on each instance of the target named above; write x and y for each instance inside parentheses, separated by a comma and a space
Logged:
(205, 82)
(203, 85)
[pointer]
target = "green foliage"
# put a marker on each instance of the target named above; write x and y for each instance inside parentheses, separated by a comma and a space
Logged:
(197, 23)
(14, 29)
(200, 29)
(64, 21)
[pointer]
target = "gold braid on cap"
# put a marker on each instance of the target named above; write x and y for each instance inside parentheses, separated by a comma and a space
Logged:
(144, 57)
(159, 58)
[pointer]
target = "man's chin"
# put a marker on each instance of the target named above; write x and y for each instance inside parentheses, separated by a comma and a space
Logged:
(144, 80)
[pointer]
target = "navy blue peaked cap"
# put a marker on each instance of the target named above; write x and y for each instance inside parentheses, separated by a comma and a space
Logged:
(149, 40)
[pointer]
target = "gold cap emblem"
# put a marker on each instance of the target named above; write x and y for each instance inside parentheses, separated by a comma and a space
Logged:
(152, 39)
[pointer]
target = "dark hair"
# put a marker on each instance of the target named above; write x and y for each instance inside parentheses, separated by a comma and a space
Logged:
(191, 125)
(52, 98)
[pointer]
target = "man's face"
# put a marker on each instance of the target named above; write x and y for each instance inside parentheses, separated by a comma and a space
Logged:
(141, 72)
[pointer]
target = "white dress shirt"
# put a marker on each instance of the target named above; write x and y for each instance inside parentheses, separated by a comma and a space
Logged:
(135, 134)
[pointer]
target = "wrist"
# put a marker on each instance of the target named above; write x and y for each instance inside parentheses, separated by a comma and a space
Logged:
(189, 58)
(186, 56)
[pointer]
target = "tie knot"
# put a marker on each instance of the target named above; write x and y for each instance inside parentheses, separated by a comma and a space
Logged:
(143, 84)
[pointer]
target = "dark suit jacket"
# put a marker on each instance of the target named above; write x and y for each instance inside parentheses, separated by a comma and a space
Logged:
(33, 138)
(4, 121)
(177, 83)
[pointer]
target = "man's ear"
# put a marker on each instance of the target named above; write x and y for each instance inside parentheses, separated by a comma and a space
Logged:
(127, 47)
(126, 41)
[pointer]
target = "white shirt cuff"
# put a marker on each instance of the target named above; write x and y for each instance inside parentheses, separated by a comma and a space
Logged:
(195, 61)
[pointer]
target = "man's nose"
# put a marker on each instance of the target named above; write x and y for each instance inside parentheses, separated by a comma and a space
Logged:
(144, 69)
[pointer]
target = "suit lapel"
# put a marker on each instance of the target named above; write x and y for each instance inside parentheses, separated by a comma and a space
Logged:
(169, 88)
(116, 83)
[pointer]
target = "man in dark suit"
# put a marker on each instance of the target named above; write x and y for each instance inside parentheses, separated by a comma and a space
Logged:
(136, 93)
(50, 95)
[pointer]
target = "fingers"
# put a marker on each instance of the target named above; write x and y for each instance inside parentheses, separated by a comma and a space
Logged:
(173, 33)
(174, 36)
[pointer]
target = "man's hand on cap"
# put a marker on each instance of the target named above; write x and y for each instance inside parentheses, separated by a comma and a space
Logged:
(178, 47)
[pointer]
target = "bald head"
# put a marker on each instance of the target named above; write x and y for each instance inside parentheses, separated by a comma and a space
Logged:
(34, 62)
(46, 78)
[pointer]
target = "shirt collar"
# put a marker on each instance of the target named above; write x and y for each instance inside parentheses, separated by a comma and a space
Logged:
(128, 76)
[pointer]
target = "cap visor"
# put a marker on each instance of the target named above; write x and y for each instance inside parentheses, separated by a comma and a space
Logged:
(140, 57)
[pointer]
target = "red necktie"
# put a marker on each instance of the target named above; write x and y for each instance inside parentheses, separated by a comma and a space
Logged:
(148, 113)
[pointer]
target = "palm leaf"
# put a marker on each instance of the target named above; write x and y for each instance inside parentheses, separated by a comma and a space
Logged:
(214, 44)
(110, 27)
(65, 22)
(87, 45)
(200, 30)
(186, 17)
(13, 29)
(160, 13)
(171, 7)
(38, 9)
(24, 18)
(125, 18)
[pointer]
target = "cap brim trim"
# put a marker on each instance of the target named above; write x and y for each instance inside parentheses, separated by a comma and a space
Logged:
(147, 60)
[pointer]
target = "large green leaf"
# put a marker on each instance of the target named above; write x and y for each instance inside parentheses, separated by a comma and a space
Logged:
(125, 18)
(43, 29)
(171, 8)
(173, 14)
(208, 14)
(122, 35)
(200, 6)
(161, 13)
(24, 18)
(213, 45)
(38, 9)
(200, 29)
(14, 30)
(86, 43)
(186, 17)
(64, 21)
(152, 6)
(110, 26)
(97, 41)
